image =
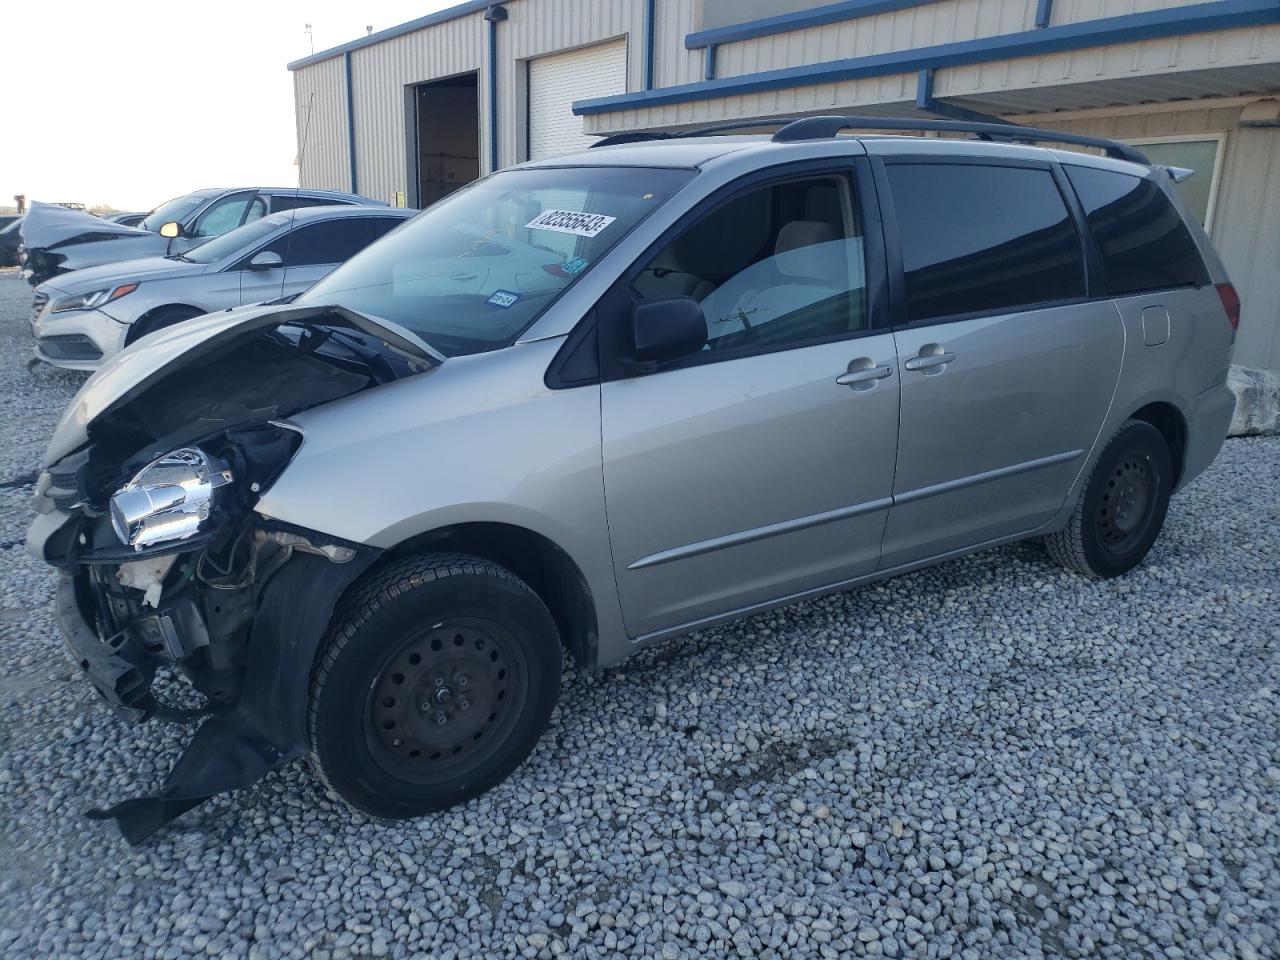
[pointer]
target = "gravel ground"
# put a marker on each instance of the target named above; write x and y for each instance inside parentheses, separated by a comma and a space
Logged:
(990, 758)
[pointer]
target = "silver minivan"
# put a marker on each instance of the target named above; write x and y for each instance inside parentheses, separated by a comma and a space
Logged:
(594, 402)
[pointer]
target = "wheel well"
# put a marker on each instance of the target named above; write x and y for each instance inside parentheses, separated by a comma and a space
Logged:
(143, 325)
(1166, 418)
(536, 560)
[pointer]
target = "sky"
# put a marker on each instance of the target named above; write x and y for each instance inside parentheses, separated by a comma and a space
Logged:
(131, 103)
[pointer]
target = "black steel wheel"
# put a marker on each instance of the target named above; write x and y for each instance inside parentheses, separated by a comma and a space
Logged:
(446, 699)
(437, 679)
(1122, 508)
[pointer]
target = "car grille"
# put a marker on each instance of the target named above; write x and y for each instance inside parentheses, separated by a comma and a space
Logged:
(69, 347)
(37, 304)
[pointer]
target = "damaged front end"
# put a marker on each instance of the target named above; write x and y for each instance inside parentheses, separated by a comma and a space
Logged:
(146, 506)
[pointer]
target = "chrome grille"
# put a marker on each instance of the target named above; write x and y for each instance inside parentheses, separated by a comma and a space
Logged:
(37, 304)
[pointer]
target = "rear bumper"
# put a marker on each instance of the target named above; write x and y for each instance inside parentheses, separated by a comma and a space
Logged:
(1207, 423)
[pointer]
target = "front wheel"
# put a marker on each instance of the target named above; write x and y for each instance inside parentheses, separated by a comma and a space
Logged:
(434, 683)
(1122, 508)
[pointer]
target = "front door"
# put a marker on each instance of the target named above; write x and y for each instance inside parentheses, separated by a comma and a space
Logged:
(761, 466)
(1007, 368)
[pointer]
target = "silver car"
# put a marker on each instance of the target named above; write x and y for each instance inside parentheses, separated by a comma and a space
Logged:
(82, 318)
(56, 240)
(594, 402)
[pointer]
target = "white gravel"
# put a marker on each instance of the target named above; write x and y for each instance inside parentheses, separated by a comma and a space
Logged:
(993, 758)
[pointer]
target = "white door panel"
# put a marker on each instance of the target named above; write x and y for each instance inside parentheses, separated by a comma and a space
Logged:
(555, 82)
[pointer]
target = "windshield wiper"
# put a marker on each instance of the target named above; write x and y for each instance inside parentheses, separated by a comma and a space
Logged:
(178, 256)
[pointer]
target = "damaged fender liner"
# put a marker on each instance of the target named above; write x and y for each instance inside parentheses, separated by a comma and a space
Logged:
(267, 727)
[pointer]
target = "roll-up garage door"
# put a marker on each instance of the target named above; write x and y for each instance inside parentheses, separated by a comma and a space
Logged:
(555, 82)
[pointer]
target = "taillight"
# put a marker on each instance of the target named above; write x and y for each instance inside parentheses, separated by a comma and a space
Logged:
(1230, 303)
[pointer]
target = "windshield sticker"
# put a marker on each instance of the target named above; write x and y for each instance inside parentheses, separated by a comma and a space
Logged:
(503, 298)
(576, 265)
(570, 221)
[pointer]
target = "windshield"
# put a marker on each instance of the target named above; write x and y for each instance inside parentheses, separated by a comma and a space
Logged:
(235, 241)
(12, 227)
(472, 272)
(175, 209)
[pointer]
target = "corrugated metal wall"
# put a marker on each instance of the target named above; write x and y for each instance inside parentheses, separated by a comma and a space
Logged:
(319, 91)
(1246, 219)
(535, 28)
(381, 75)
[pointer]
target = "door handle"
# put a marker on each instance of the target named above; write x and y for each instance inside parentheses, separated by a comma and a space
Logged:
(930, 359)
(863, 373)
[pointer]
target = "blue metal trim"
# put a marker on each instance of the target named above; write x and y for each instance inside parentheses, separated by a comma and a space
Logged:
(1044, 13)
(1201, 17)
(442, 16)
(709, 64)
(924, 88)
(351, 119)
(926, 102)
(649, 40)
(816, 17)
(493, 95)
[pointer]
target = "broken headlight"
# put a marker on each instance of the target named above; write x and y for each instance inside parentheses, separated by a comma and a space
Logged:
(168, 499)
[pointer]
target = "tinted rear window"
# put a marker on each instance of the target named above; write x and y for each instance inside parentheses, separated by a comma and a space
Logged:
(979, 239)
(1144, 243)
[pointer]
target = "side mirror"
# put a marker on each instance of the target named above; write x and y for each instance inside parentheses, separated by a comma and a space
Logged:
(266, 260)
(666, 329)
(171, 229)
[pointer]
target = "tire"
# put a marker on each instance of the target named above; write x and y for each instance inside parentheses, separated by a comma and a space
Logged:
(436, 680)
(1122, 507)
(157, 320)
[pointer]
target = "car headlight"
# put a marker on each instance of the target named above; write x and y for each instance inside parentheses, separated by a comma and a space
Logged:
(168, 499)
(87, 301)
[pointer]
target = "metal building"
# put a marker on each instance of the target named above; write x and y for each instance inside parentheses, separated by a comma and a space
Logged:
(411, 113)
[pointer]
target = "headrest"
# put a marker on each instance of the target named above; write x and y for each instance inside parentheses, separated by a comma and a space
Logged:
(803, 233)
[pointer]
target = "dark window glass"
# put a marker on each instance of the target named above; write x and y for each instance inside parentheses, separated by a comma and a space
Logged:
(287, 201)
(331, 241)
(978, 239)
(773, 267)
(1144, 243)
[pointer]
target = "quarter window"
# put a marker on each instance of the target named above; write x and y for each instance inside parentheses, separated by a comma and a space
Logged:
(777, 266)
(1143, 241)
(982, 239)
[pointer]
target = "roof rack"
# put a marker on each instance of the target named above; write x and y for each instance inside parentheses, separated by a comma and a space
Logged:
(640, 136)
(822, 128)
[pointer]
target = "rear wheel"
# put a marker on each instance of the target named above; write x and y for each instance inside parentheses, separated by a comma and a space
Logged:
(1122, 508)
(157, 320)
(436, 680)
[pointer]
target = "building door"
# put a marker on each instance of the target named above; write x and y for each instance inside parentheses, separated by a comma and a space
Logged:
(555, 82)
(448, 136)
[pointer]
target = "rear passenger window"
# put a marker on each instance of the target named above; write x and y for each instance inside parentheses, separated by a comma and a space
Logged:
(1143, 241)
(774, 267)
(980, 239)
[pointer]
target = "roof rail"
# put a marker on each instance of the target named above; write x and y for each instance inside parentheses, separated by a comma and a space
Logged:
(641, 136)
(822, 128)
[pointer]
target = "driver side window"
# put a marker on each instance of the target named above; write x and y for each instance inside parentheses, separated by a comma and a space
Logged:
(777, 266)
(225, 215)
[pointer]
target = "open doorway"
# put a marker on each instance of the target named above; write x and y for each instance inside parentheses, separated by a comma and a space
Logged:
(448, 129)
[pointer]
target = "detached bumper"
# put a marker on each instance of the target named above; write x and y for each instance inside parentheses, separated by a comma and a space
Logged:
(119, 681)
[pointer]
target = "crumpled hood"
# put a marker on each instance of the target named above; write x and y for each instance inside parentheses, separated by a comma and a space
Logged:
(123, 271)
(48, 224)
(167, 351)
